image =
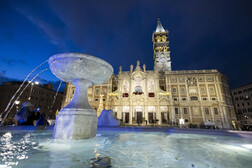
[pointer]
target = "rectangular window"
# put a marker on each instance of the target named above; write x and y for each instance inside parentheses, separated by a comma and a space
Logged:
(176, 110)
(207, 110)
(201, 79)
(209, 79)
(203, 90)
(216, 111)
(174, 90)
(97, 92)
(211, 90)
(185, 110)
(182, 90)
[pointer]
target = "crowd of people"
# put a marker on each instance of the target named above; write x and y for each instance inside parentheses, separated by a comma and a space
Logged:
(25, 116)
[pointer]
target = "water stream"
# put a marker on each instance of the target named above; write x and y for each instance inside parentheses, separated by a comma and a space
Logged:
(55, 96)
(22, 93)
(23, 84)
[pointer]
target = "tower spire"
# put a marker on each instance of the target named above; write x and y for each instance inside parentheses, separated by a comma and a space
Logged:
(159, 28)
(161, 49)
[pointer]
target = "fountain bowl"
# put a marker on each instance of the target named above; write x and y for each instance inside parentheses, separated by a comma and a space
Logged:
(72, 66)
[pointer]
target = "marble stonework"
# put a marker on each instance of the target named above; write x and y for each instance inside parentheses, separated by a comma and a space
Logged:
(78, 120)
(139, 95)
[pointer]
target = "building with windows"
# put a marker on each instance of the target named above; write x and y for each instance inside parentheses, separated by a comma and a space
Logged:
(163, 96)
(243, 105)
(40, 96)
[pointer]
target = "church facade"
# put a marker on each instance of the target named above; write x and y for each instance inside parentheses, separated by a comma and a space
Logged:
(163, 96)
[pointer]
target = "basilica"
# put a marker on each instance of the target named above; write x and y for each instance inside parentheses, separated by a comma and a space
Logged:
(163, 96)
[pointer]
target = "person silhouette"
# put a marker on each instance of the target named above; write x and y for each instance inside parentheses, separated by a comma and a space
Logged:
(23, 114)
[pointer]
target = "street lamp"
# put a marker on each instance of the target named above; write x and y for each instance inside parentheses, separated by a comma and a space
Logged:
(36, 83)
(17, 102)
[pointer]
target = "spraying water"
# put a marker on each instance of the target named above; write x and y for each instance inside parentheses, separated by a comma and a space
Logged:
(8, 105)
(21, 94)
(55, 96)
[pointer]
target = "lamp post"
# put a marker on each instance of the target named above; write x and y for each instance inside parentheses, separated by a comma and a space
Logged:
(29, 98)
(17, 103)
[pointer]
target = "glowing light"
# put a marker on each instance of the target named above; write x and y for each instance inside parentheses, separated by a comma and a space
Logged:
(17, 102)
(36, 83)
(164, 93)
(248, 146)
(181, 121)
(113, 94)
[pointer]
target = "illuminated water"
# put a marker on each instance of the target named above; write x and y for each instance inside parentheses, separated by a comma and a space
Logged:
(127, 149)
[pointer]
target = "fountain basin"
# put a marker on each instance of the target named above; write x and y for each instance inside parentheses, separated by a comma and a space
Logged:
(128, 147)
(78, 120)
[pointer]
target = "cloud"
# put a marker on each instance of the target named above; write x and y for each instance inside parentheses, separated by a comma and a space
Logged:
(11, 62)
(4, 78)
(54, 33)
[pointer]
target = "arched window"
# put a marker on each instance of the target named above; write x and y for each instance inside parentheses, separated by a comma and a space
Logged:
(164, 38)
(158, 39)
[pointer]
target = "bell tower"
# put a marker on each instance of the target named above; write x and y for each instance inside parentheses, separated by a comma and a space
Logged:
(161, 49)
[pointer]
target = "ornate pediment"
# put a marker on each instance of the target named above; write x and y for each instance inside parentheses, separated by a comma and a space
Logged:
(138, 72)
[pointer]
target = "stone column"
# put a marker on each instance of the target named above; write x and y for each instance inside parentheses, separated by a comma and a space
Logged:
(190, 113)
(77, 120)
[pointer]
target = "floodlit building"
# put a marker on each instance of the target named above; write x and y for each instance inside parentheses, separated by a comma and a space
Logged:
(163, 96)
(243, 105)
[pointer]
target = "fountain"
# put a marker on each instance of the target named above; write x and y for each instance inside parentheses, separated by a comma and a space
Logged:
(161, 147)
(78, 120)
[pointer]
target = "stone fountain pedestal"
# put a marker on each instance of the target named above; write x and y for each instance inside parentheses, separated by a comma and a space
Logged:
(78, 120)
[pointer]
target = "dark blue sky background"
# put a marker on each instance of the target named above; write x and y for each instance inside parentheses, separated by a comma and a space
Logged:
(203, 34)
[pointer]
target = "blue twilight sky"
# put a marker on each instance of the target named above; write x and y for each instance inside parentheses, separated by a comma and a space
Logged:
(203, 34)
